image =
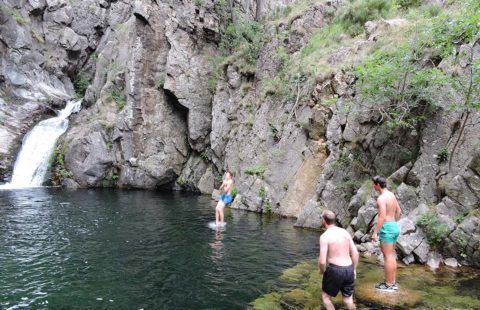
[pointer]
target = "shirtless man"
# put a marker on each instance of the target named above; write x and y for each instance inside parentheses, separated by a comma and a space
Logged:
(225, 198)
(338, 250)
(387, 230)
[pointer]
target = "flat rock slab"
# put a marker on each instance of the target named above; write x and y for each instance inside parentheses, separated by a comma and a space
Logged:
(402, 298)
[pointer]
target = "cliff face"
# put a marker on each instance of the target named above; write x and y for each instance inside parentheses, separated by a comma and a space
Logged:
(175, 93)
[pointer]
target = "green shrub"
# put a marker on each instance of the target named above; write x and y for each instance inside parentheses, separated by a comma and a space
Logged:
(268, 206)
(262, 193)
(118, 96)
(243, 38)
(354, 16)
(435, 232)
(391, 83)
(234, 192)
(57, 162)
(442, 156)
(64, 173)
(256, 170)
(80, 84)
(406, 4)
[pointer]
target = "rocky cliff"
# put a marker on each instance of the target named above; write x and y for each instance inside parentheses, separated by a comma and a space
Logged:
(277, 91)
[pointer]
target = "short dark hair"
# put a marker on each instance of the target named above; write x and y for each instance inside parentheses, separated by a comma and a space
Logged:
(379, 180)
(329, 217)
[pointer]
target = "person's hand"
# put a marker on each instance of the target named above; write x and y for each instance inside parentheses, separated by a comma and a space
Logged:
(375, 236)
(355, 274)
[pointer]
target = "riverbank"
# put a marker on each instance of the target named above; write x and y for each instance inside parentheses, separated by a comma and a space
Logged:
(419, 287)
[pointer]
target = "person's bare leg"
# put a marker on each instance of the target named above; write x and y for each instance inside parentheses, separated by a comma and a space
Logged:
(348, 301)
(221, 215)
(394, 257)
(327, 302)
(217, 213)
(390, 262)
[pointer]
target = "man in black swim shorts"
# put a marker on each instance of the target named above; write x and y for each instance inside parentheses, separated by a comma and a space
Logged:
(338, 250)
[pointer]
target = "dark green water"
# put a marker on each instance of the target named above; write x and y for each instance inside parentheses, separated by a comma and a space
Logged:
(94, 249)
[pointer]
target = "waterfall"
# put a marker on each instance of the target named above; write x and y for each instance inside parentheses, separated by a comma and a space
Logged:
(37, 147)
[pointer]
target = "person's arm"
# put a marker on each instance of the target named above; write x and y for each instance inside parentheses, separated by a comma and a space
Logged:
(322, 259)
(354, 254)
(398, 212)
(381, 218)
(223, 185)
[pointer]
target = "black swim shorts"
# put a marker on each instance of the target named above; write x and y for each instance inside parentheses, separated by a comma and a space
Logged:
(338, 278)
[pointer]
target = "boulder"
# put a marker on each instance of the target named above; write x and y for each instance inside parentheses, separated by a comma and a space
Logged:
(458, 190)
(407, 243)
(434, 260)
(358, 236)
(404, 298)
(409, 259)
(407, 198)
(399, 176)
(421, 252)
(366, 215)
(311, 215)
(451, 262)
(206, 183)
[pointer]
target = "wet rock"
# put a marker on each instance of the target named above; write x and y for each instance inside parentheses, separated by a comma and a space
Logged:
(311, 216)
(216, 195)
(89, 159)
(206, 182)
(403, 298)
(69, 184)
(451, 262)
(434, 260)
(296, 297)
(409, 259)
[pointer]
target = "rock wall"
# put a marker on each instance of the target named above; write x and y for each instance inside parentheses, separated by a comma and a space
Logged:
(152, 118)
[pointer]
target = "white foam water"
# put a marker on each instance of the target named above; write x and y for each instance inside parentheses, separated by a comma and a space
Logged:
(213, 225)
(37, 147)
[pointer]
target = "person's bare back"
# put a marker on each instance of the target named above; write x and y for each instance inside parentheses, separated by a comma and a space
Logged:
(392, 208)
(337, 262)
(339, 245)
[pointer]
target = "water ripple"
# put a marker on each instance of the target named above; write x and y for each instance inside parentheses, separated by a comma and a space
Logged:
(137, 249)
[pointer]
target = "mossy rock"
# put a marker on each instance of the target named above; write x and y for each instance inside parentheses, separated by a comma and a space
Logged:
(403, 298)
(266, 302)
(295, 298)
(298, 274)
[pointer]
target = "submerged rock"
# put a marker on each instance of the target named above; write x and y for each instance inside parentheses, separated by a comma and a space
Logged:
(300, 288)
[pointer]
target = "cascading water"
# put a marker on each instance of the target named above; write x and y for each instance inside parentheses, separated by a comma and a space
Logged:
(37, 147)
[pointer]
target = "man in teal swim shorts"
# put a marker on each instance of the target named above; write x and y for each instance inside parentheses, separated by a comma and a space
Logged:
(387, 230)
(225, 199)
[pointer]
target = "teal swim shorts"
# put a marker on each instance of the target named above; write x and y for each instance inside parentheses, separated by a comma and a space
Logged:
(389, 232)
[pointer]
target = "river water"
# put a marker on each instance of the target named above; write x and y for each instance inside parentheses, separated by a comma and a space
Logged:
(106, 249)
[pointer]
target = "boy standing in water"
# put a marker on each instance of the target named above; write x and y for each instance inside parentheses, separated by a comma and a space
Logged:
(225, 198)
(387, 230)
(340, 253)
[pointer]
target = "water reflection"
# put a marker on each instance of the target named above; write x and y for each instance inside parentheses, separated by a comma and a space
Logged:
(217, 246)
